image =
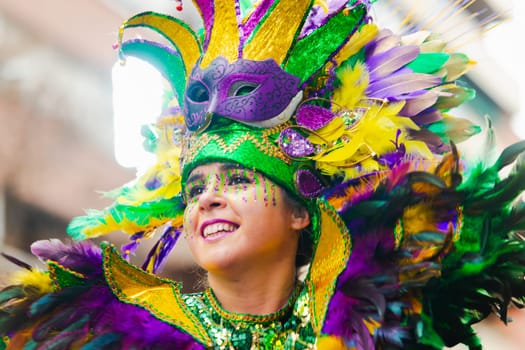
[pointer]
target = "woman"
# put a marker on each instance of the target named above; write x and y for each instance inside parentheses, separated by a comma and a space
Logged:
(298, 134)
(246, 240)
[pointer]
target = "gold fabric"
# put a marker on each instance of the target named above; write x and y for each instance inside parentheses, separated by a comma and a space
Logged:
(330, 258)
(161, 297)
(276, 35)
(224, 38)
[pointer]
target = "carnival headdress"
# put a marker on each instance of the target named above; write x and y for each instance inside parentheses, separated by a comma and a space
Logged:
(311, 94)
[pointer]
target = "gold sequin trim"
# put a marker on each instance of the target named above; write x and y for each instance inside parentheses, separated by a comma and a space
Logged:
(459, 226)
(261, 141)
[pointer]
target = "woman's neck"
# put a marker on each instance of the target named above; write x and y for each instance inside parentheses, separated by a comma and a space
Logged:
(254, 293)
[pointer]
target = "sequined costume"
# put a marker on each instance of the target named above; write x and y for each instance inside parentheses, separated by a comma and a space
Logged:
(412, 244)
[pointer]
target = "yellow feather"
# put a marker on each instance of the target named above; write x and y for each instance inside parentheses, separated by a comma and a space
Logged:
(416, 38)
(456, 66)
(374, 134)
(330, 132)
(365, 34)
(354, 81)
(127, 226)
(331, 342)
(34, 278)
(433, 43)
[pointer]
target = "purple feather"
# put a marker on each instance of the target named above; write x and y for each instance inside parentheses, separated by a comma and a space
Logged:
(390, 61)
(346, 321)
(433, 141)
(417, 102)
(159, 252)
(139, 328)
(384, 41)
(399, 84)
(84, 256)
(131, 247)
(17, 261)
(427, 117)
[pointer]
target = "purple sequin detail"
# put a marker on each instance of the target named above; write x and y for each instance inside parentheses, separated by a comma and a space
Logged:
(308, 184)
(313, 117)
(294, 144)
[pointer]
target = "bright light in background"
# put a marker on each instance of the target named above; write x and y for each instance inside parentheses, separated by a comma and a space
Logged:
(516, 42)
(137, 100)
(505, 45)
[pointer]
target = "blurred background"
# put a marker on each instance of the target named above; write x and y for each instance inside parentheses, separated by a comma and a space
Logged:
(59, 147)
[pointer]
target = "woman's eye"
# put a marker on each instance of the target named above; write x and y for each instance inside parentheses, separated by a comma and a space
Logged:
(238, 180)
(194, 192)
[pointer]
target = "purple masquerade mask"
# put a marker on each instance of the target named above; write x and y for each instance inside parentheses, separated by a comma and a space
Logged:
(257, 93)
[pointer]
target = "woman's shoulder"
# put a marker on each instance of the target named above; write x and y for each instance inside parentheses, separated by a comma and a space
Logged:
(92, 297)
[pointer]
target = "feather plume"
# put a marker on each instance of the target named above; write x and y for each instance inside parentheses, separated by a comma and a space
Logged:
(390, 61)
(354, 81)
(82, 256)
(384, 41)
(418, 102)
(16, 261)
(399, 84)
(35, 278)
(363, 36)
(452, 95)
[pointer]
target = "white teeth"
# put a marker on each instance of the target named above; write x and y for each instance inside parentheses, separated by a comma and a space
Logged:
(219, 227)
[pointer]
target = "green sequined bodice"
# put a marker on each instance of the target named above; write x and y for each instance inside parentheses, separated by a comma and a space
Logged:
(288, 328)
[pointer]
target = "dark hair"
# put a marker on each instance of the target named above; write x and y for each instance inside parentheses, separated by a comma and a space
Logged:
(305, 245)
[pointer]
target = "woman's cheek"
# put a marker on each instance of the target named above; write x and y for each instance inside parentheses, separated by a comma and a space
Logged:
(189, 220)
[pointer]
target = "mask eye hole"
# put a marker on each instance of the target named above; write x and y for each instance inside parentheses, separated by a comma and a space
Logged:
(198, 92)
(242, 88)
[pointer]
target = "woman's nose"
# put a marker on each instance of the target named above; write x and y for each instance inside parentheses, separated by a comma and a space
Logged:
(210, 199)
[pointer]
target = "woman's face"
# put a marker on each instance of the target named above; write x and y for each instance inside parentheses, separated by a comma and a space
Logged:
(236, 218)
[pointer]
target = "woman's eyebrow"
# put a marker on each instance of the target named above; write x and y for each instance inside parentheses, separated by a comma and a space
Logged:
(230, 166)
(223, 168)
(195, 177)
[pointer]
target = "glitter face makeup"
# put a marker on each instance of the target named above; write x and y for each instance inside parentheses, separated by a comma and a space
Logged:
(231, 179)
(235, 217)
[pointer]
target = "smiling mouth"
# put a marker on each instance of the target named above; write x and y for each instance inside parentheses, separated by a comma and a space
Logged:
(218, 229)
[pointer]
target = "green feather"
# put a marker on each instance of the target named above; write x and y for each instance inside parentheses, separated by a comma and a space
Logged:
(428, 62)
